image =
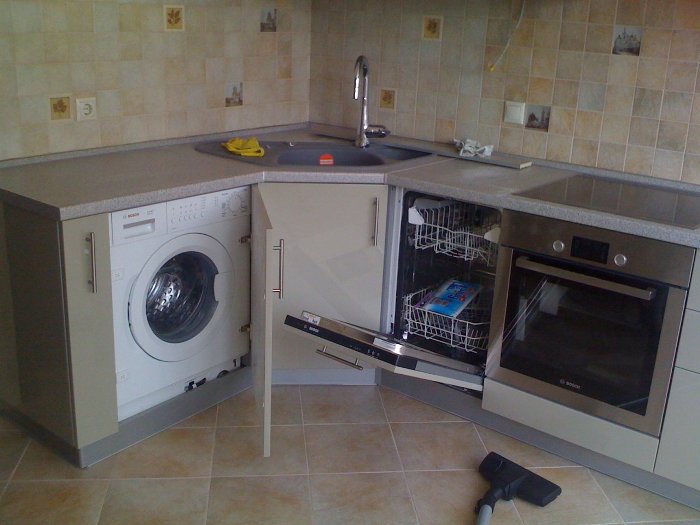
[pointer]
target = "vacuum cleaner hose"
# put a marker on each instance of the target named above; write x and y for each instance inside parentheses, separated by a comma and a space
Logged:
(484, 515)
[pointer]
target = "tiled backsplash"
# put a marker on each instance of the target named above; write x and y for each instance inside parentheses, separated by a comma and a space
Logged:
(433, 65)
(150, 81)
(639, 114)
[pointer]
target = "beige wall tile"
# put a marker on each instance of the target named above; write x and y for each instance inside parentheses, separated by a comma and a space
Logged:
(643, 131)
(601, 12)
(591, 96)
(547, 34)
(619, 100)
(588, 125)
(656, 43)
(647, 103)
(667, 164)
(544, 62)
(534, 144)
(540, 91)
(584, 152)
(672, 135)
(569, 65)
(659, 13)
(615, 129)
(651, 73)
(599, 38)
(559, 147)
(693, 144)
(691, 169)
(611, 156)
(565, 93)
(681, 76)
(516, 88)
(623, 70)
(685, 45)
(687, 15)
(639, 160)
(576, 10)
(562, 121)
(572, 36)
(511, 140)
(595, 67)
(676, 106)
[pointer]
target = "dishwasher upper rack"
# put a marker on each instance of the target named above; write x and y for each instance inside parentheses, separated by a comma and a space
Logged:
(469, 331)
(457, 229)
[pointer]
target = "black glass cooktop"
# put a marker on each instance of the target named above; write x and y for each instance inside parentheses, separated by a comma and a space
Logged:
(628, 199)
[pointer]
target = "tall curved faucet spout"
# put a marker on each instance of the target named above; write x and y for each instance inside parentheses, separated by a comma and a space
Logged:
(360, 91)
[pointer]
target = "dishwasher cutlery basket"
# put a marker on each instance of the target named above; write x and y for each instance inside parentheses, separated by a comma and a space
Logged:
(457, 229)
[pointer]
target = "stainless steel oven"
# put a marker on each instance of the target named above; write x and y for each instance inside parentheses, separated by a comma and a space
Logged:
(588, 317)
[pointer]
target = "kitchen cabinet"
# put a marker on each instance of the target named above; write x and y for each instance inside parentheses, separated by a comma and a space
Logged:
(678, 457)
(60, 295)
(329, 252)
(316, 247)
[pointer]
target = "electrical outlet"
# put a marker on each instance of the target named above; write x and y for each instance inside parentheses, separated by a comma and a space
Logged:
(85, 108)
(514, 112)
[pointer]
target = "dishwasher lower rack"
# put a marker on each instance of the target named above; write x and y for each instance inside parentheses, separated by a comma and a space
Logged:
(457, 229)
(469, 331)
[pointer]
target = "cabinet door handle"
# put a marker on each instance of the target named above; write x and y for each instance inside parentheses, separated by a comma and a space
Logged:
(375, 237)
(324, 352)
(90, 239)
(280, 273)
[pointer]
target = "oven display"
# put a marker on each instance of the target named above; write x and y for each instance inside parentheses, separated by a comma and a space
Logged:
(589, 249)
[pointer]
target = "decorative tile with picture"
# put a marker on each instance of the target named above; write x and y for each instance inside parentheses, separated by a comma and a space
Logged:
(627, 40)
(268, 20)
(234, 94)
(60, 108)
(174, 17)
(387, 99)
(432, 28)
(537, 117)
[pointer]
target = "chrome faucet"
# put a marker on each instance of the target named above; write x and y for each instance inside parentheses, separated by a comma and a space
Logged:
(364, 130)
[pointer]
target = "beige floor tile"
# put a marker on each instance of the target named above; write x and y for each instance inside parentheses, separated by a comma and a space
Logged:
(156, 502)
(261, 500)
(519, 452)
(174, 453)
(635, 504)
(403, 409)
(238, 452)
(12, 445)
(42, 463)
(204, 419)
(53, 502)
(581, 501)
(351, 448)
(342, 404)
(240, 410)
(449, 498)
(380, 499)
(438, 446)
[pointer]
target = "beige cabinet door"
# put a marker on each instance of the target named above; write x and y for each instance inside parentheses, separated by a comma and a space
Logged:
(88, 292)
(333, 237)
(678, 457)
(261, 301)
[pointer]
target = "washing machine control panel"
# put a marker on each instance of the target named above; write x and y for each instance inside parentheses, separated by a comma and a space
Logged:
(208, 209)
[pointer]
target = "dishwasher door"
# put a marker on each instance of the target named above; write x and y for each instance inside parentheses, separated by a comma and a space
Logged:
(382, 351)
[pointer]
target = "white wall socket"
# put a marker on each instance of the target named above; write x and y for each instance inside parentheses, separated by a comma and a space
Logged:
(85, 108)
(514, 112)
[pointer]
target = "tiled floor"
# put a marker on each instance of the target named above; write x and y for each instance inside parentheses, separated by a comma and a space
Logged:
(340, 455)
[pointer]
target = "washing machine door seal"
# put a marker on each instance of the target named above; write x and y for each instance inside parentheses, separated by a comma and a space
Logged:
(181, 297)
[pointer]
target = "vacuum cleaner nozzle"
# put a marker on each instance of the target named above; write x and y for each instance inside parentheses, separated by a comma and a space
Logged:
(508, 479)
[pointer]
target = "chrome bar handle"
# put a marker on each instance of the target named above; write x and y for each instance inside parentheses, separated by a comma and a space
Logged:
(90, 239)
(280, 275)
(375, 237)
(544, 269)
(324, 352)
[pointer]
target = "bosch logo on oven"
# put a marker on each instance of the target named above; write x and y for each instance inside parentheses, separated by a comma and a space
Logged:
(570, 384)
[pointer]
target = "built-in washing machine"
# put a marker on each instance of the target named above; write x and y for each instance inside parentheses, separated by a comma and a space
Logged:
(181, 295)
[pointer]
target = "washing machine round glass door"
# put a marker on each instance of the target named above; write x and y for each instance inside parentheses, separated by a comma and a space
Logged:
(179, 298)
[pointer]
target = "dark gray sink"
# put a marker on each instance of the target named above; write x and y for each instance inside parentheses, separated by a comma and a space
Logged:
(326, 154)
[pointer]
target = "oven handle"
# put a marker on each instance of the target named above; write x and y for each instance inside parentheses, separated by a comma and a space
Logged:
(638, 293)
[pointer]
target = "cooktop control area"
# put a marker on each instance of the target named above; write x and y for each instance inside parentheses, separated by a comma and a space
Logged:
(629, 199)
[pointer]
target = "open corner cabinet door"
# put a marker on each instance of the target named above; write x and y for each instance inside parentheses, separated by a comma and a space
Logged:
(261, 317)
(358, 344)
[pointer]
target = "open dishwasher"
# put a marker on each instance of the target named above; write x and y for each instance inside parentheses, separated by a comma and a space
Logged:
(439, 284)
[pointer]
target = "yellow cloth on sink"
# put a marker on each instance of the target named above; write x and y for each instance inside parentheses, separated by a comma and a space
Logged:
(244, 147)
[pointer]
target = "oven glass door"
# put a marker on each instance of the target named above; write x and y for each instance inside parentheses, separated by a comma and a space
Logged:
(590, 332)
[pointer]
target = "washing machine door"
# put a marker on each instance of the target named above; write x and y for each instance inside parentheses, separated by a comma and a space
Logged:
(180, 298)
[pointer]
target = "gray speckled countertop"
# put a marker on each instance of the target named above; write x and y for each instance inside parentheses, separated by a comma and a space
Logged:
(99, 183)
